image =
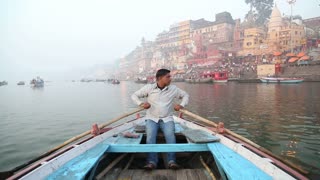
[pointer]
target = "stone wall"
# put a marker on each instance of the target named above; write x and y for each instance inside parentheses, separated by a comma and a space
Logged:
(309, 72)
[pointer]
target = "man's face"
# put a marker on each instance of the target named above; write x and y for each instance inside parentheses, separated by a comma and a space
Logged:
(166, 79)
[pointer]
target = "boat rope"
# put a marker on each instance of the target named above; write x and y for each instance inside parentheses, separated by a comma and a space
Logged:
(207, 168)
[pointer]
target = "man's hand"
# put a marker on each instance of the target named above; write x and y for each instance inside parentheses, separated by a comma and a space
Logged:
(145, 105)
(178, 107)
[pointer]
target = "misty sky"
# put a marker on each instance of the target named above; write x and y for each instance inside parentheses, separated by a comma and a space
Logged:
(55, 36)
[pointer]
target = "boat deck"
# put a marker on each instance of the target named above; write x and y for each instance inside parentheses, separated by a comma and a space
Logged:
(159, 174)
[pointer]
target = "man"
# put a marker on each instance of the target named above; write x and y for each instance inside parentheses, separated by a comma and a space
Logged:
(160, 104)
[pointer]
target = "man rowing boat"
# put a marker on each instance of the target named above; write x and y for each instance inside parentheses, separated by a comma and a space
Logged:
(160, 104)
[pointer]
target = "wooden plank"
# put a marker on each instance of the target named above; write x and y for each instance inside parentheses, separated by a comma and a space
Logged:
(110, 166)
(202, 174)
(139, 175)
(78, 167)
(234, 165)
(163, 174)
(114, 174)
(135, 148)
(181, 174)
(126, 174)
(198, 136)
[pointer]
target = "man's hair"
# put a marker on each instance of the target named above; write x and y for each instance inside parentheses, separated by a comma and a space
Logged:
(162, 72)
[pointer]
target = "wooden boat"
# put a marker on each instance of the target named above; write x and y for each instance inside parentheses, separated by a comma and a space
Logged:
(3, 83)
(220, 77)
(115, 81)
(201, 152)
(189, 80)
(141, 81)
(175, 79)
(37, 82)
(20, 83)
(205, 80)
(280, 80)
(199, 80)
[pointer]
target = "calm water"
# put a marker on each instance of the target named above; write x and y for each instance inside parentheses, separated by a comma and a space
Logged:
(282, 118)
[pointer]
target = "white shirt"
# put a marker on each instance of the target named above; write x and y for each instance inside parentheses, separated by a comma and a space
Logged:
(161, 101)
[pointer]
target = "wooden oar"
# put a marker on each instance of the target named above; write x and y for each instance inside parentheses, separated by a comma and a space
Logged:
(215, 125)
(244, 139)
(100, 127)
(10, 172)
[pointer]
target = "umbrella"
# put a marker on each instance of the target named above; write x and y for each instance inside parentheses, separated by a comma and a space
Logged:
(277, 53)
(304, 58)
(293, 59)
(290, 54)
(301, 54)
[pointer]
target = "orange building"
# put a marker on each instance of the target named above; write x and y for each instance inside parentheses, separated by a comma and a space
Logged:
(177, 35)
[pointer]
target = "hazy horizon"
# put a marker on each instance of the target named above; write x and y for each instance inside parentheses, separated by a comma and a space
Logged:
(53, 38)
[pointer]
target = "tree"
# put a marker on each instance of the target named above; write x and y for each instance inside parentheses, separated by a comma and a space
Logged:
(261, 12)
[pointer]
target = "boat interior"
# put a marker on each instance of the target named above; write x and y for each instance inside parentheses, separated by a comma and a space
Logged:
(123, 166)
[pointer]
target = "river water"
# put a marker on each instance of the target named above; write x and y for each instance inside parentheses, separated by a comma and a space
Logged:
(284, 119)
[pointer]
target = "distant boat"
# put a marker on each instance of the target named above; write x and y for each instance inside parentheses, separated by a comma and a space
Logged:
(101, 80)
(205, 77)
(281, 80)
(115, 81)
(175, 79)
(220, 77)
(21, 83)
(37, 82)
(198, 80)
(141, 80)
(86, 80)
(3, 83)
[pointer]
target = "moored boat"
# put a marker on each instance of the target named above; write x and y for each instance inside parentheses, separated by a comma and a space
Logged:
(205, 80)
(21, 83)
(3, 83)
(115, 81)
(220, 77)
(141, 80)
(37, 82)
(281, 80)
(119, 153)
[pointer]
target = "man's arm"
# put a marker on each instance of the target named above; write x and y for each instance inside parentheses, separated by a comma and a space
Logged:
(141, 93)
(184, 96)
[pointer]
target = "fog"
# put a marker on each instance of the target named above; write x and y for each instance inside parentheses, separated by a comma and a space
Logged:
(65, 39)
